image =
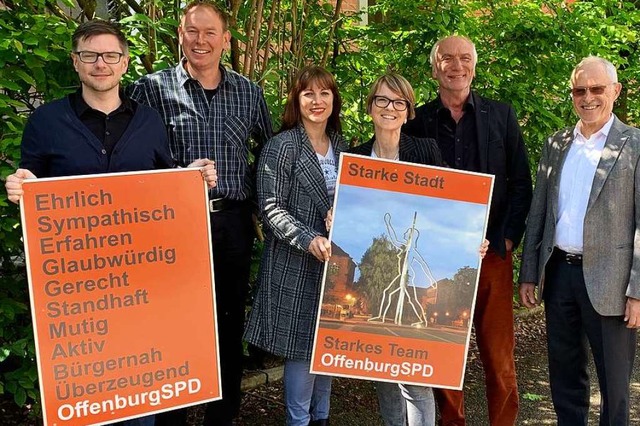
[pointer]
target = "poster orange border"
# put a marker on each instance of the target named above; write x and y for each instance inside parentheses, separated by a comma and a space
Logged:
(137, 337)
(348, 352)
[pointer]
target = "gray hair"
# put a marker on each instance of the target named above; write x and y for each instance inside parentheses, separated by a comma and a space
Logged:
(434, 49)
(609, 68)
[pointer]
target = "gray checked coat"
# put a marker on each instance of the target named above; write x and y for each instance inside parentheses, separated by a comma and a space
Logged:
(293, 199)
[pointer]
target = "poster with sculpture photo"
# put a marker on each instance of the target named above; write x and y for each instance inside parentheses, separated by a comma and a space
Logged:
(399, 289)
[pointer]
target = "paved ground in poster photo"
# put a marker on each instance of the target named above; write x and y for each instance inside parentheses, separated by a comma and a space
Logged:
(354, 402)
(432, 333)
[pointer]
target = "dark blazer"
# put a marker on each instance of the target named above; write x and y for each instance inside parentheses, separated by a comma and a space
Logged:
(502, 153)
(294, 202)
(412, 150)
(56, 143)
(611, 249)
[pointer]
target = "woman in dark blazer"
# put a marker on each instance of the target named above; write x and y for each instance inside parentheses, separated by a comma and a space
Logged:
(391, 103)
(297, 174)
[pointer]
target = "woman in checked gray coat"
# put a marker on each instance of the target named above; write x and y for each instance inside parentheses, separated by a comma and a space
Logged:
(297, 175)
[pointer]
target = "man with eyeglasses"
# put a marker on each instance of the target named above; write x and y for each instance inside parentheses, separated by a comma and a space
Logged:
(582, 249)
(482, 135)
(97, 129)
(211, 110)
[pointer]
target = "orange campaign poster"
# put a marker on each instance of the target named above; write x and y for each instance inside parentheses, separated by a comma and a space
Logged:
(399, 289)
(122, 297)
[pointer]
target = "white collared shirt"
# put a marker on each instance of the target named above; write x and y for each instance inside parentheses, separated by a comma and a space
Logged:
(576, 180)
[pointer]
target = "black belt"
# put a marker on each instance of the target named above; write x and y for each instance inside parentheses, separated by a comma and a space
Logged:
(570, 258)
(220, 204)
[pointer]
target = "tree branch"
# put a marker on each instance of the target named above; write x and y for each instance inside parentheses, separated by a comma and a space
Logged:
(235, 48)
(248, 33)
(88, 8)
(134, 6)
(267, 47)
(255, 39)
(334, 26)
(299, 54)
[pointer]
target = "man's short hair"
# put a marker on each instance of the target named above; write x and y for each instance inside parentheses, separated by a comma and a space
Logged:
(222, 14)
(96, 27)
(398, 85)
(609, 68)
(434, 49)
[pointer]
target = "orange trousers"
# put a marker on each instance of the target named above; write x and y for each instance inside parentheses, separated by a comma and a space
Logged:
(493, 324)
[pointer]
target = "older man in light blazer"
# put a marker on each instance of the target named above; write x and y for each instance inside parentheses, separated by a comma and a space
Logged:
(582, 249)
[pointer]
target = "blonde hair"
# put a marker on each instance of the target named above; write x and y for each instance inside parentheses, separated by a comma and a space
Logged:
(398, 85)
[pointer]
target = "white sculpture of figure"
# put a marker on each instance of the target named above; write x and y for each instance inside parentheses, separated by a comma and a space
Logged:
(406, 258)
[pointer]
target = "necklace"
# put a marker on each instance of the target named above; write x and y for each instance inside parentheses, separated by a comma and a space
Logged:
(376, 150)
(321, 146)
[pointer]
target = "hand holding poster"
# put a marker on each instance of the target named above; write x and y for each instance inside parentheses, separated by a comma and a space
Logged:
(121, 285)
(399, 290)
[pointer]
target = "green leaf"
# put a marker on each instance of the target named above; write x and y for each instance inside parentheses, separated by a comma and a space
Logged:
(20, 397)
(33, 61)
(137, 17)
(8, 312)
(160, 65)
(12, 387)
(238, 35)
(8, 84)
(39, 74)
(31, 40)
(26, 383)
(171, 22)
(24, 76)
(41, 52)
(32, 373)
(532, 397)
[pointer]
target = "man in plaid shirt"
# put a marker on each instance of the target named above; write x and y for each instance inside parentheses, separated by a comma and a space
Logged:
(213, 112)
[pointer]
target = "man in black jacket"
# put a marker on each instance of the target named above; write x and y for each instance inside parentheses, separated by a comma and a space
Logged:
(482, 135)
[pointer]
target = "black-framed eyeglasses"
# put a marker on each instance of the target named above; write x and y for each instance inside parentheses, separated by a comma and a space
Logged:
(92, 57)
(581, 91)
(383, 102)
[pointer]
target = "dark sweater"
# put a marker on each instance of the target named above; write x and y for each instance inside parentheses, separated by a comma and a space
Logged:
(56, 143)
(412, 149)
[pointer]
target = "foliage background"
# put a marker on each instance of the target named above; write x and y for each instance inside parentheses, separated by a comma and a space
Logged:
(526, 49)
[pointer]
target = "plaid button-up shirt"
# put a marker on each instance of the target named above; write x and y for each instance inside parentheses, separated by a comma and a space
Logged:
(219, 130)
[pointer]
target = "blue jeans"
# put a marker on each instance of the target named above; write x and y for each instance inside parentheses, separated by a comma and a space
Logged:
(306, 395)
(406, 405)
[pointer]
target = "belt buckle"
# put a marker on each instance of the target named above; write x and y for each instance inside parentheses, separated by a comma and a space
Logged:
(212, 205)
(573, 259)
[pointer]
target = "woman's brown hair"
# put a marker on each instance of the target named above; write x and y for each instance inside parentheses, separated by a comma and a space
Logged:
(305, 79)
